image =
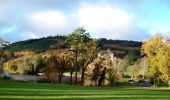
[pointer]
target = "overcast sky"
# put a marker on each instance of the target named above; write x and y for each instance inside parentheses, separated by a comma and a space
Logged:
(113, 19)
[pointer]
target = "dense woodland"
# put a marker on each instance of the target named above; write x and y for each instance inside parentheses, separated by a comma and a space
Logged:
(90, 61)
(119, 47)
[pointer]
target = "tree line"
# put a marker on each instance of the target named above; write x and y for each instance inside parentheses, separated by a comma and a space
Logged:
(43, 44)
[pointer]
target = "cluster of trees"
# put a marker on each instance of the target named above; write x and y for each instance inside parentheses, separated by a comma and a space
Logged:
(35, 45)
(107, 68)
(79, 55)
(120, 42)
(22, 65)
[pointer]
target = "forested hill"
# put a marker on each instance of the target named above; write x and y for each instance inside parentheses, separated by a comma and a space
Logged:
(37, 45)
(42, 44)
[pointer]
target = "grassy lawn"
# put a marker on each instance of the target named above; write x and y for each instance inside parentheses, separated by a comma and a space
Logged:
(43, 91)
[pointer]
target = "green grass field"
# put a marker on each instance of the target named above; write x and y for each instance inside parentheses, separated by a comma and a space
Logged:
(42, 91)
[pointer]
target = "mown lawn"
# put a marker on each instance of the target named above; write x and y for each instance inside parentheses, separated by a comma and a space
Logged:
(42, 91)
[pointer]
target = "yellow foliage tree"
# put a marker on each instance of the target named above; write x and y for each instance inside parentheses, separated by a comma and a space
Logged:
(157, 51)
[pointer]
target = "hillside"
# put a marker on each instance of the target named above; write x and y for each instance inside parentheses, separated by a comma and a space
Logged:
(119, 47)
(37, 45)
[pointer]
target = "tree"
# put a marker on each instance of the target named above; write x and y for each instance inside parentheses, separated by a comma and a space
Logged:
(60, 58)
(63, 57)
(130, 57)
(39, 63)
(115, 69)
(86, 57)
(71, 67)
(5, 56)
(157, 51)
(32, 63)
(102, 77)
(76, 42)
(133, 70)
(144, 66)
(97, 71)
(139, 69)
(163, 57)
(51, 69)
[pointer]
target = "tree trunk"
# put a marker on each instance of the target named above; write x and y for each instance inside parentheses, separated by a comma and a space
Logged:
(76, 77)
(60, 77)
(102, 77)
(76, 69)
(95, 82)
(82, 75)
(52, 78)
(111, 83)
(71, 76)
(84, 66)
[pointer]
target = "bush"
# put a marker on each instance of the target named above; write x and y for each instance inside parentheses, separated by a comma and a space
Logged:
(6, 77)
(140, 81)
(161, 83)
(126, 76)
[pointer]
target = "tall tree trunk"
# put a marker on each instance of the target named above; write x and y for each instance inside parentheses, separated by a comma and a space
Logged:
(71, 76)
(83, 69)
(52, 78)
(82, 74)
(76, 68)
(60, 77)
(95, 82)
(102, 77)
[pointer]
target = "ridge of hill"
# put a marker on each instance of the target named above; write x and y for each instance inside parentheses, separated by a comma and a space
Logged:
(119, 47)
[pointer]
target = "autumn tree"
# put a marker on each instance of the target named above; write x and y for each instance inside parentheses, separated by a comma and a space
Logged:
(133, 70)
(51, 70)
(97, 70)
(4, 55)
(39, 63)
(115, 68)
(163, 57)
(88, 56)
(157, 51)
(63, 57)
(32, 64)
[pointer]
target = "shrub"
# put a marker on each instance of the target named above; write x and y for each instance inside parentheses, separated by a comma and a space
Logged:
(6, 77)
(140, 81)
(161, 83)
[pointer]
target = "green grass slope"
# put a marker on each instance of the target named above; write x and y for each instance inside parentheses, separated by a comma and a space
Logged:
(44, 91)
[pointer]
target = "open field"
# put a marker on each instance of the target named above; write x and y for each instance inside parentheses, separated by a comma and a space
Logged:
(44, 91)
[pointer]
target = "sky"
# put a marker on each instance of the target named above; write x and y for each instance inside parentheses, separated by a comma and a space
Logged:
(135, 20)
